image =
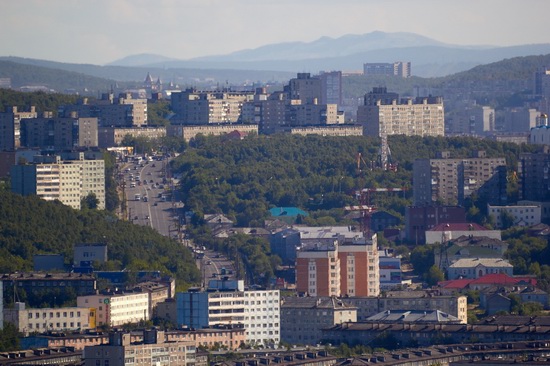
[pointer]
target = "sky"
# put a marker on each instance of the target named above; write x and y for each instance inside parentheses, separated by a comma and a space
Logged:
(101, 31)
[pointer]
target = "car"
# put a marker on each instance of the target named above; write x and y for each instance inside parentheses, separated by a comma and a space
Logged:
(209, 262)
(156, 204)
(149, 173)
(135, 218)
(146, 217)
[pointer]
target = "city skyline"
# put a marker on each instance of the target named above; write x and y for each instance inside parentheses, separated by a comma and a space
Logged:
(103, 31)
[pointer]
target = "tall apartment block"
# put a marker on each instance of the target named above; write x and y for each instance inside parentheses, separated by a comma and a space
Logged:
(68, 181)
(399, 68)
(450, 181)
(10, 127)
(337, 267)
(194, 107)
(124, 111)
(258, 311)
(383, 114)
(59, 133)
(331, 87)
(534, 175)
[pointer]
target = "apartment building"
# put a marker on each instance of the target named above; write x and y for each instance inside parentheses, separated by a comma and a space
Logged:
(111, 111)
(79, 283)
(68, 181)
(451, 181)
(409, 300)
(118, 307)
(418, 219)
(59, 133)
(40, 320)
(399, 68)
(380, 116)
(188, 133)
(113, 136)
(303, 318)
(154, 350)
(10, 127)
(336, 266)
(194, 107)
(533, 174)
(257, 310)
(335, 130)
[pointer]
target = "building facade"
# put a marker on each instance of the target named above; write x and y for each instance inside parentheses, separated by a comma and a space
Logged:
(455, 305)
(59, 133)
(338, 266)
(533, 174)
(68, 181)
(478, 267)
(303, 318)
(41, 320)
(154, 350)
(382, 117)
(117, 308)
(257, 311)
(451, 181)
(399, 68)
(10, 127)
(521, 215)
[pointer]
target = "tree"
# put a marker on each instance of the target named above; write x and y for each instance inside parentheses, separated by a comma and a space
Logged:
(9, 338)
(90, 202)
(434, 276)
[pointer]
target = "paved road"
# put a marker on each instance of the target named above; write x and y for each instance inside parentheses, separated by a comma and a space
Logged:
(151, 208)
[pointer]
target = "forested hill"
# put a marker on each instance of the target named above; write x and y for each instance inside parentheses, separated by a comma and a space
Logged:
(29, 225)
(245, 178)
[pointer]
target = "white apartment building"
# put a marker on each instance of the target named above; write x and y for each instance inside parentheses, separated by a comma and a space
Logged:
(68, 181)
(117, 308)
(258, 311)
(523, 215)
(47, 319)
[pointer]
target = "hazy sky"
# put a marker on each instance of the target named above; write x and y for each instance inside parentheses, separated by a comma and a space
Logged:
(101, 31)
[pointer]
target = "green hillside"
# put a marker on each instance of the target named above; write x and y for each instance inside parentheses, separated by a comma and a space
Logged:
(29, 225)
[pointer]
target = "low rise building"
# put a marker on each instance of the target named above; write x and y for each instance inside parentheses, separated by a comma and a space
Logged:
(40, 320)
(455, 305)
(478, 267)
(303, 318)
(153, 350)
(518, 215)
(444, 232)
(189, 132)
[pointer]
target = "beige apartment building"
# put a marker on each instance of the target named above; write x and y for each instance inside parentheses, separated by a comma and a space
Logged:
(409, 300)
(47, 319)
(154, 350)
(68, 181)
(194, 107)
(190, 132)
(336, 130)
(450, 181)
(381, 115)
(117, 308)
(303, 318)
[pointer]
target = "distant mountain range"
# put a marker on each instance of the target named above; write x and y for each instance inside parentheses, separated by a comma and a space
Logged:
(278, 63)
(429, 58)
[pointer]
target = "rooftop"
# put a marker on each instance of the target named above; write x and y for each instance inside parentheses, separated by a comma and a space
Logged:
(474, 262)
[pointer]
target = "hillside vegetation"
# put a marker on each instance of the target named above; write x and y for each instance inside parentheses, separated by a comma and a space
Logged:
(244, 178)
(29, 225)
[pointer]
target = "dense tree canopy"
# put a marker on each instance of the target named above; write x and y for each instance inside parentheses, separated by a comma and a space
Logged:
(29, 225)
(244, 178)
